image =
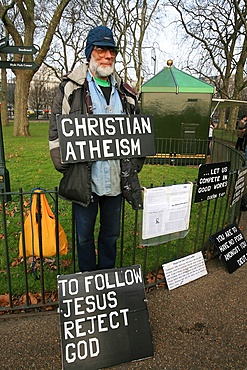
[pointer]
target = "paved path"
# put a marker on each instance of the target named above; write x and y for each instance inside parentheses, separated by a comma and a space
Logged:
(199, 326)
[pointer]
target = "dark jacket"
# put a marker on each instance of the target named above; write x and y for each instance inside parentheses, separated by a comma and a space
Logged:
(73, 97)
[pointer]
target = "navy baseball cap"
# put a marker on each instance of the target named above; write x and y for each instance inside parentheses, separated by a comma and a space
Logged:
(99, 36)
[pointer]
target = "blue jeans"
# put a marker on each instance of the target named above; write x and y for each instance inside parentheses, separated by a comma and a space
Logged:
(85, 217)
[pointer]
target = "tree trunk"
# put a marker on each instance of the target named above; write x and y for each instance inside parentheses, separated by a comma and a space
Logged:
(222, 116)
(21, 124)
(231, 124)
(4, 108)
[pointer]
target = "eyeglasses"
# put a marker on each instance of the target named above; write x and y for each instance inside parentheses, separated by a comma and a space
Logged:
(101, 50)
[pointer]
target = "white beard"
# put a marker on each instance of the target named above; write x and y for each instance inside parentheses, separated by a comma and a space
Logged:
(100, 71)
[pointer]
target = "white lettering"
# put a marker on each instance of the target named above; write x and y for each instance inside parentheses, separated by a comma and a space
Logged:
(70, 151)
(93, 149)
(78, 327)
(67, 302)
(92, 124)
(124, 143)
(136, 126)
(128, 125)
(68, 326)
(70, 357)
(62, 285)
(99, 282)
(79, 127)
(81, 145)
(63, 122)
(78, 306)
(106, 148)
(88, 282)
(135, 147)
(120, 121)
(204, 189)
(146, 125)
(110, 128)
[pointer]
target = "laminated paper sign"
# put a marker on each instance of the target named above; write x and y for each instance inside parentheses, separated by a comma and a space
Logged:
(103, 318)
(184, 270)
(166, 210)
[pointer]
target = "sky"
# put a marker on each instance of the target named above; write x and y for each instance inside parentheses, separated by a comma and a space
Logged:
(167, 44)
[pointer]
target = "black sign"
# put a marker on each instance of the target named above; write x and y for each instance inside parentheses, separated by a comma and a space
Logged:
(240, 186)
(232, 247)
(18, 65)
(103, 318)
(99, 137)
(212, 181)
(3, 42)
(18, 50)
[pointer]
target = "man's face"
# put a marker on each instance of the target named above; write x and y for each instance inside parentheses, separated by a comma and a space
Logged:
(102, 61)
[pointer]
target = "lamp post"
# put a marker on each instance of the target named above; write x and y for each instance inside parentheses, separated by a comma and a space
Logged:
(5, 48)
(153, 56)
(4, 173)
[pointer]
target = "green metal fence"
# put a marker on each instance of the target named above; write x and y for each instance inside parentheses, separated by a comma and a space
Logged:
(228, 136)
(179, 152)
(30, 283)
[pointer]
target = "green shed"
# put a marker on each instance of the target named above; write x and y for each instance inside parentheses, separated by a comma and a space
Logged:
(181, 107)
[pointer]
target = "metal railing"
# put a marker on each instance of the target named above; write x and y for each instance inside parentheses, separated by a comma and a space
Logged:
(179, 152)
(228, 136)
(30, 283)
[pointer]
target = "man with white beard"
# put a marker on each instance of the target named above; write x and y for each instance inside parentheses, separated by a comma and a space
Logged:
(95, 88)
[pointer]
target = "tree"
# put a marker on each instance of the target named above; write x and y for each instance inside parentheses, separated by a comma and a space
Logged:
(42, 91)
(4, 86)
(131, 24)
(129, 21)
(218, 44)
(22, 31)
(69, 40)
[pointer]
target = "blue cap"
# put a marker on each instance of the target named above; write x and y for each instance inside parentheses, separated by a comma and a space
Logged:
(99, 36)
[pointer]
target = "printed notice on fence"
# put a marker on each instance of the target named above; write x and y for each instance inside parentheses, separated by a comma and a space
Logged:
(166, 210)
(240, 186)
(103, 318)
(212, 181)
(95, 137)
(232, 247)
(184, 270)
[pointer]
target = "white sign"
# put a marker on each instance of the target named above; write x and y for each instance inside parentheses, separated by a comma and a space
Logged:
(184, 270)
(166, 210)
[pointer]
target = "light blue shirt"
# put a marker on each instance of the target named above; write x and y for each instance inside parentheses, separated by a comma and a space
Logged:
(106, 173)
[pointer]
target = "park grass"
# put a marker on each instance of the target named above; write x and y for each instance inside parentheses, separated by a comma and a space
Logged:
(29, 165)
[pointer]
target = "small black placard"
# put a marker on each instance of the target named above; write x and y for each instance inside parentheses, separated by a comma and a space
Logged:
(232, 246)
(104, 319)
(101, 137)
(212, 181)
(240, 186)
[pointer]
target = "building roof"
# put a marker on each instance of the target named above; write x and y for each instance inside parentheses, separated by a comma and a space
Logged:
(171, 79)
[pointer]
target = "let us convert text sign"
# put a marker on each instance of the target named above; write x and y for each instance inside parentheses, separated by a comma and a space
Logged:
(103, 318)
(95, 137)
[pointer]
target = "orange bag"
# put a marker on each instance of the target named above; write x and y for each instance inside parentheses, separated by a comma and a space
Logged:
(48, 230)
